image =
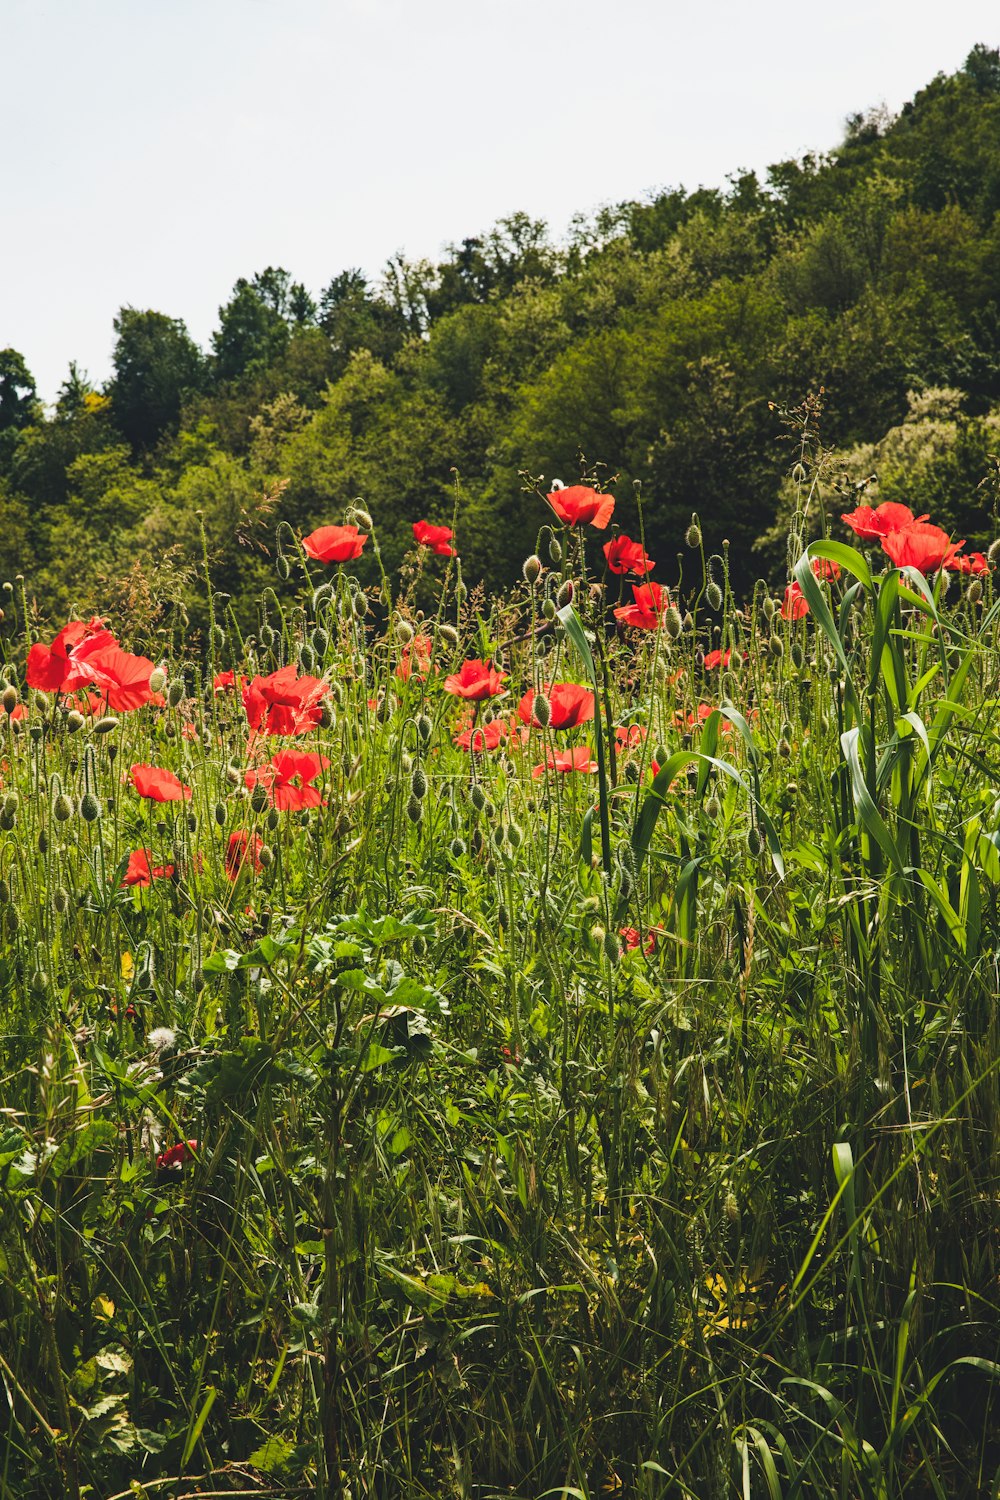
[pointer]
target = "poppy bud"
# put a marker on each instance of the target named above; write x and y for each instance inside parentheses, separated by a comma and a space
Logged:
(404, 632)
(60, 899)
(62, 808)
(320, 640)
(414, 809)
(175, 692)
(798, 656)
(712, 808)
(220, 814)
(673, 624)
(233, 775)
(514, 836)
(754, 841)
(993, 553)
(282, 566)
(612, 949)
(106, 725)
(784, 748)
(43, 841)
(477, 797)
(406, 762)
(532, 568)
(457, 848)
(448, 633)
(973, 593)
(693, 534)
(157, 680)
(268, 637)
(265, 856)
(776, 646)
(503, 918)
(360, 606)
(541, 710)
(731, 1208)
(555, 550)
(272, 820)
(699, 658)
(631, 772)
(9, 699)
(418, 783)
(713, 595)
(4, 892)
(767, 607)
(461, 592)
(258, 798)
(565, 594)
(358, 516)
(549, 609)
(90, 807)
(192, 822)
(424, 729)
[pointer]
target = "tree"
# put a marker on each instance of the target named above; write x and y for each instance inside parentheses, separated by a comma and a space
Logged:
(18, 399)
(256, 323)
(157, 364)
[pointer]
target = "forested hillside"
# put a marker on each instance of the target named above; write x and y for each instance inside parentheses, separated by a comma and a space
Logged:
(671, 342)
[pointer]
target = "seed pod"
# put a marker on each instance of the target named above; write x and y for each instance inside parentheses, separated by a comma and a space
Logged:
(35, 730)
(693, 534)
(62, 808)
(60, 899)
(107, 725)
(175, 692)
(258, 798)
(418, 782)
(541, 710)
(672, 622)
(515, 837)
(273, 819)
(157, 680)
(414, 809)
(90, 807)
(713, 595)
(74, 721)
(424, 729)
(9, 699)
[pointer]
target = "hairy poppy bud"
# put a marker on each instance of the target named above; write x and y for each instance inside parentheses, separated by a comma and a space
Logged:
(457, 848)
(549, 609)
(477, 797)
(713, 595)
(973, 593)
(555, 550)
(776, 646)
(754, 841)
(503, 918)
(424, 729)
(43, 841)
(9, 699)
(693, 534)
(784, 748)
(74, 721)
(60, 899)
(90, 807)
(731, 1208)
(175, 692)
(320, 640)
(4, 892)
(672, 622)
(11, 803)
(157, 680)
(565, 594)
(541, 710)
(258, 798)
(612, 949)
(414, 809)
(360, 606)
(515, 837)
(106, 725)
(798, 656)
(461, 592)
(418, 783)
(62, 808)
(326, 715)
(532, 569)
(220, 814)
(712, 808)
(272, 820)
(265, 856)
(448, 633)
(358, 516)
(768, 607)
(404, 632)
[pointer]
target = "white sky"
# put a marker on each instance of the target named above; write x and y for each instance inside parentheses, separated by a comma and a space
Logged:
(155, 150)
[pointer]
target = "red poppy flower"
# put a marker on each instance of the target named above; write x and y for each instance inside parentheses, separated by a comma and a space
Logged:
(577, 759)
(140, 872)
(415, 659)
(873, 525)
(925, 548)
(625, 556)
(578, 505)
(288, 778)
(243, 848)
(475, 681)
(284, 703)
(630, 736)
(700, 714)
(176, 1156)
(631, 939)
(227, 682)
(158, 785)
(484, 736)
(651, 603)
(335, 543)
(794, 605)
(438, 538)
(48, 666)
(974, 563)
(716, 659)
(824, 567)
(121, 678)
(569, 705)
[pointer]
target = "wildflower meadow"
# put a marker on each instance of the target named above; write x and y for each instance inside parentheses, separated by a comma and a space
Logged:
(466, 1045)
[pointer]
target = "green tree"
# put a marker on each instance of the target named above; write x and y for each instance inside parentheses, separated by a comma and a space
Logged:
(157, 365)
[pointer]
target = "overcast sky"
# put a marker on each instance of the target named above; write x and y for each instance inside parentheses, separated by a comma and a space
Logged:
(155, 150)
